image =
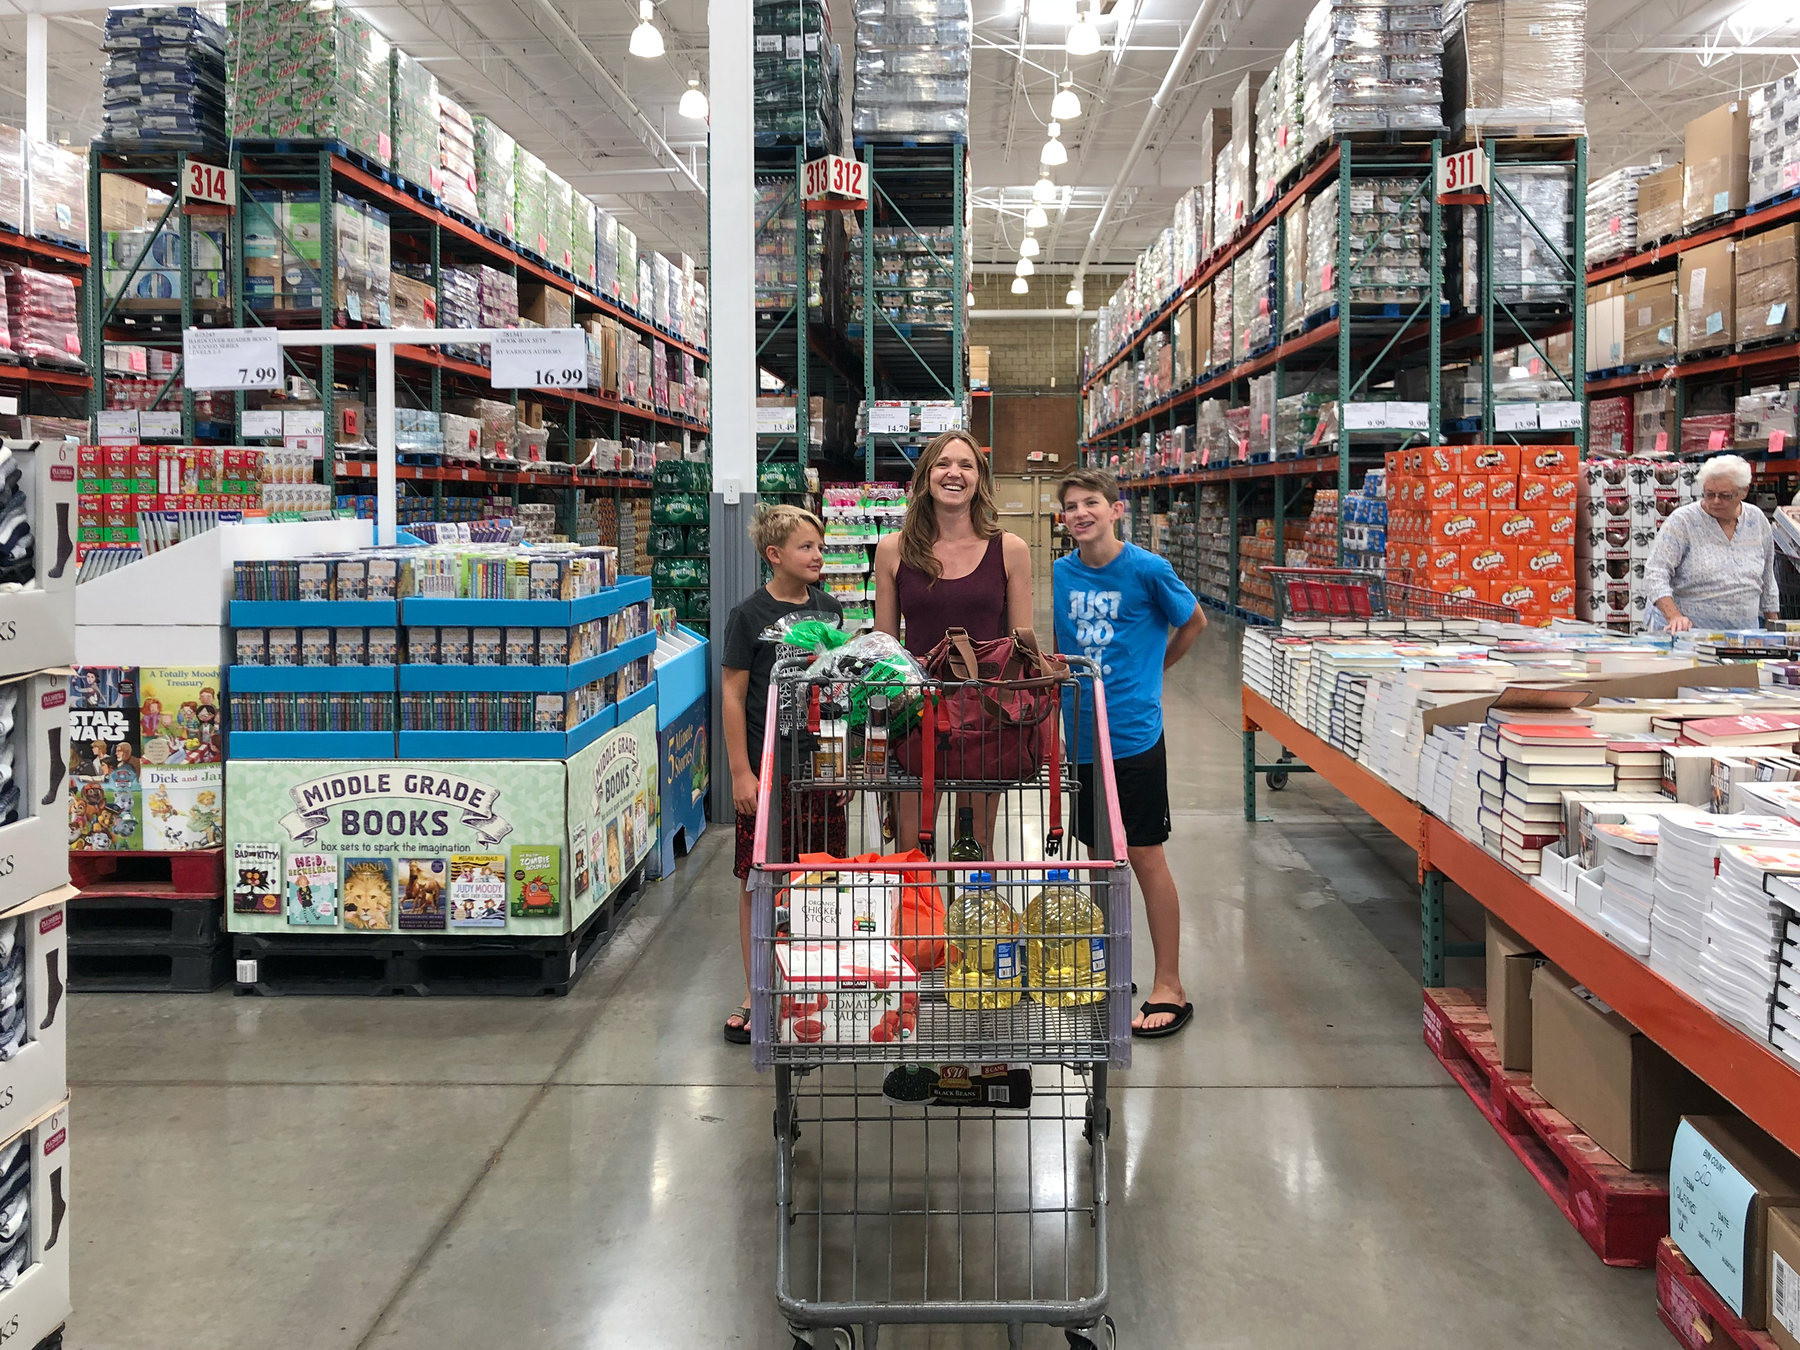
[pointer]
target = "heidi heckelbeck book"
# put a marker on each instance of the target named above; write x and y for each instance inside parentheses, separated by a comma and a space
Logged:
(312, 880)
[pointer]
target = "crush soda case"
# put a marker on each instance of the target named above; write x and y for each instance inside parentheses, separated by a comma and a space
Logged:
(1485, 522)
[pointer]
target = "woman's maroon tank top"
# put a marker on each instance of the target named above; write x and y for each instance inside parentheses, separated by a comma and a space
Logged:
(976, 602)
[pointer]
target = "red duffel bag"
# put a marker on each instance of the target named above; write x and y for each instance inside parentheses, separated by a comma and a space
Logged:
(997, 712)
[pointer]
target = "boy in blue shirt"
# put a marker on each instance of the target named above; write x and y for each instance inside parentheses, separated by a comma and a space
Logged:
(1116, 604)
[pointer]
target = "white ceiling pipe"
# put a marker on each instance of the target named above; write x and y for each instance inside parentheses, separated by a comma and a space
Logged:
(1183, 58)
(1064, 313)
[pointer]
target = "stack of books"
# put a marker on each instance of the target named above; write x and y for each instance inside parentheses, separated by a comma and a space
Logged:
(1686, 873)
(1533, 764)
(1784, 1021)
(1437, 769)
(1769, 799)
(1637, 761)
(1744, 930)
(1627, 853)
(1259, 662)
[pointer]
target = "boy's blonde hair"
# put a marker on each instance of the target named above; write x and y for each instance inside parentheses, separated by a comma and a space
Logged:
(773, 526)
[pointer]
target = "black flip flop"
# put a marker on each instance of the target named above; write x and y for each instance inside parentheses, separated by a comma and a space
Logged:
(740, 1034)
(1183, 1013)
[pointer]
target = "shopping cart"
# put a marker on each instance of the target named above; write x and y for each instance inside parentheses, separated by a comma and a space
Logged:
(906, 1192)
(1350, 593)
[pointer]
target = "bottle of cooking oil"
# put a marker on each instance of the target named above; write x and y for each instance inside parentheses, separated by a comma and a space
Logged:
(984, 972)
(1066, 943)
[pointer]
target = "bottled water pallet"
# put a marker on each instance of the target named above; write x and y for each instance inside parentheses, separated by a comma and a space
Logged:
(1693, 1313)
(1622, 1214)
(197, 873)
(444, 965)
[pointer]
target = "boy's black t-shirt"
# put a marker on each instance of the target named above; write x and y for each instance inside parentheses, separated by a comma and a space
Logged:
(744, 650)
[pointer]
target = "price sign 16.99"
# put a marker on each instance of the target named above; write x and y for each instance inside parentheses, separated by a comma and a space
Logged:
(540, 358)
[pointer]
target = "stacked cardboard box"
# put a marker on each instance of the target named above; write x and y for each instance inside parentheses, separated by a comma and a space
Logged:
(1516, 67)
(1659, 204)
(1621, 505)
(1716, 164)
(1707, 294)
(1768, 296)
(1651, 312)
(1487, 522)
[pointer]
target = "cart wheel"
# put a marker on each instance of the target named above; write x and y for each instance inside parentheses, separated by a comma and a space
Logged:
(1277, 779)
(1108, 1337)
(1105, 1118)
(823, 1338)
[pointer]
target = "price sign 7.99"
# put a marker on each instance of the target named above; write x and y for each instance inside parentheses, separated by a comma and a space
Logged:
(231, 358)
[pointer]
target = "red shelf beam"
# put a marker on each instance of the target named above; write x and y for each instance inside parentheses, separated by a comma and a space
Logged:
(1749, 1074)
(1755, 358)
(1660, 253)
(1281, 468)
(42, 250)
(56, 379)
(1221, 258)
(367, 182)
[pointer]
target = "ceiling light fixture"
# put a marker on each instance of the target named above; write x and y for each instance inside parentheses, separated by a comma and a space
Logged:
(1054, 152)
(693, 102)
(1073, 297)
(1043, 192)
(646, 38)
(1066, 106)
(1020, 286)
(1084, 37)
(1029, 249)
(1035, 219)
(1024, 269)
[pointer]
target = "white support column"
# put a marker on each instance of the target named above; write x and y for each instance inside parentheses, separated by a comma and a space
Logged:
(37, 77)
(387, 484)
(731, 266)
(731, 293)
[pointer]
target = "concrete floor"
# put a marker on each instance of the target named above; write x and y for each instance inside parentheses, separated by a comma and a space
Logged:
(597, 1171)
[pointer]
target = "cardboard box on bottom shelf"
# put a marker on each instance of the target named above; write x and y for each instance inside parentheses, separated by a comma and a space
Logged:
(38, 1301)
(34, 849)
(1510, 963)
(1619, 1087)
(37, 622)
(1784, 1277)
(1725, 1178)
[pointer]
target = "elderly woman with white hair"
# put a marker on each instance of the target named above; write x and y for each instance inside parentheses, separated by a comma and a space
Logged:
(1713, 567)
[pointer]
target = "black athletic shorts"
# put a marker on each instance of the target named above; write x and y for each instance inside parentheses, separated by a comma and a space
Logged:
(1143, 783)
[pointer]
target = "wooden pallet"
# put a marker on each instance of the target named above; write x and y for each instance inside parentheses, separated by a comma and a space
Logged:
(1622, 1214)
(197, 873)
(1693, 1313)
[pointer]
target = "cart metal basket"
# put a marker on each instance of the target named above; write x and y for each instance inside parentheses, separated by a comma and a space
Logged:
(1350, 593)
(940, 1074)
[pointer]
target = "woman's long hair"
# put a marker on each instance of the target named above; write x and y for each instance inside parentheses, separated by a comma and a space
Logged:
(919, 531)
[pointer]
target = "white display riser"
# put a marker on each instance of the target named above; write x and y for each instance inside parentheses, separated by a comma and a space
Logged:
(190, 584)
(39, 1303)
(37, 624)
(37, 1078)
(34, 850)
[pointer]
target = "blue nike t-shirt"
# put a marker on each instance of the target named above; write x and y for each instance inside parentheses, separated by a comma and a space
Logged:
(1119, 616)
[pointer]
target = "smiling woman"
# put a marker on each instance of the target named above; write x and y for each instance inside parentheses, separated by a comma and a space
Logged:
(951, 566)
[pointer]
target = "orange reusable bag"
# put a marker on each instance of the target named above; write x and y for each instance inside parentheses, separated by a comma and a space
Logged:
(921, 909)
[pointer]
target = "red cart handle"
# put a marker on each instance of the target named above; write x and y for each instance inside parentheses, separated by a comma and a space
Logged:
(928, 775)
(1054, 840)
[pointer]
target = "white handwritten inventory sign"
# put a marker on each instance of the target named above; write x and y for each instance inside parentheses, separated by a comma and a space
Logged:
(231, 358)
(540, 358)
(1709, 1207)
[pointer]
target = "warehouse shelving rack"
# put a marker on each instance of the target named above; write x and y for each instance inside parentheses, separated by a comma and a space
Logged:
(422, 233)
(112, 318)
(43, 390)
(1756, 1080)
(1508, 325)
(1358, 342)
(788, 327)
(914, 185)
(1744, 366)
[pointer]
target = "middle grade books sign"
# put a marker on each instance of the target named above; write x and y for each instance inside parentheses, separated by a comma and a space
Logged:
(517, 846)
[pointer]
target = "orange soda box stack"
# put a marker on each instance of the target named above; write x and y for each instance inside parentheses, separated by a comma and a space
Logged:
(1488, 521)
